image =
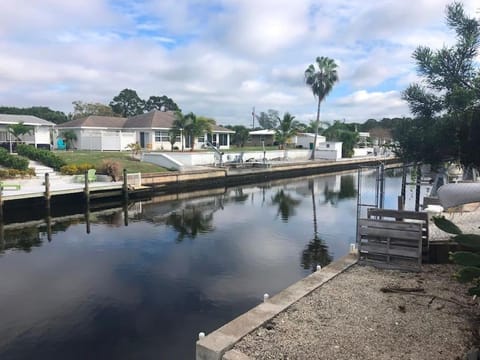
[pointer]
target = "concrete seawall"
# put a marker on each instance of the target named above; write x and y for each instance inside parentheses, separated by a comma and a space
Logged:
(217, 344)
(214, 177)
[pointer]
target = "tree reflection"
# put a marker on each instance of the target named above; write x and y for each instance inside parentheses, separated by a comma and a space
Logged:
(347, 190)
(190, 222)
(316, 251)
(22, 239)
(286, 204)
(239, 195)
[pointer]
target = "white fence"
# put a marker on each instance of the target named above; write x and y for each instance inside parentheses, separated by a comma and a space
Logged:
(106, 140)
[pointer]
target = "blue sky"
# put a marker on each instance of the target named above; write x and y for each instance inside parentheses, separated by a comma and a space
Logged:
(217, 58)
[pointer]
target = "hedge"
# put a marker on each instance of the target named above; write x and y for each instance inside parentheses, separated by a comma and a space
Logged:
(13, 161)
(46, 157)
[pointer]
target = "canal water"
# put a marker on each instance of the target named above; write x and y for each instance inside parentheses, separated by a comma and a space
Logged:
(143, 287)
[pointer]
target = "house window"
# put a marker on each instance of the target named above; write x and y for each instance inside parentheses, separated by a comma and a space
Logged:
(161, 136)
(201, 139)
(223, 139)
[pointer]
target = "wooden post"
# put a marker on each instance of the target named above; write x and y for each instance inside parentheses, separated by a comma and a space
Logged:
(47, 192)
(86, 190)
(125, 186)
(49, 224)
(87, 217)
(125, 213)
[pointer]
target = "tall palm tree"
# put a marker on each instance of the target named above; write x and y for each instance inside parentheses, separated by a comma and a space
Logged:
(321, 82)
(286, 129)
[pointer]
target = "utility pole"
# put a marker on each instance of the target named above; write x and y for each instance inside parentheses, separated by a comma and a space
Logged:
(253, 118)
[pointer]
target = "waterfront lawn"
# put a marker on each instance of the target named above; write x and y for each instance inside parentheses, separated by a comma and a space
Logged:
(96, 158)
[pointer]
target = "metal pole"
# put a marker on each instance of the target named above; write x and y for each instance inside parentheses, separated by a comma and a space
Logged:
(417, 188)
(382, 185)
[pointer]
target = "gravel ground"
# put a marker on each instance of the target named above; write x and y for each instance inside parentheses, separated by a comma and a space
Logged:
(351, 318)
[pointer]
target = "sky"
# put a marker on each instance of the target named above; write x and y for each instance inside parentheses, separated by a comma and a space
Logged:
(218, 58)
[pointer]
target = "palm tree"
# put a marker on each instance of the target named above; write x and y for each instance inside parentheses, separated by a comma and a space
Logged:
(70, 136)
(181, 124)
(286, 129)
(19, 129)
(199, 126)
(321, 82)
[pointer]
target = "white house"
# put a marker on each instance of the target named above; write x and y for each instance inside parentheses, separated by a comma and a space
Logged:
(305, 140)
(40, 136)
(331, 150)
(150, 131)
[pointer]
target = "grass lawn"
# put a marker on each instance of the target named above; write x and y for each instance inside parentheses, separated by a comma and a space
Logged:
(96, 158)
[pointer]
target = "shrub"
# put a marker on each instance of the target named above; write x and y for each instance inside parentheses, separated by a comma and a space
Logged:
(46, 157)
(13, 173)
(13, 161)
(76, 169)
(111, 168)
(468, 259)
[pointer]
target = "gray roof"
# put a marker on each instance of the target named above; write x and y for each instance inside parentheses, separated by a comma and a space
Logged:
(96, 122)
(152, 120)
(26, 119)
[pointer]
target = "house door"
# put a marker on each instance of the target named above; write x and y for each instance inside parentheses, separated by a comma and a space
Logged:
(143, 139)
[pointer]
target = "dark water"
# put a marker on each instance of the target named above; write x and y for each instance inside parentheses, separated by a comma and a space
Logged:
(145, 291)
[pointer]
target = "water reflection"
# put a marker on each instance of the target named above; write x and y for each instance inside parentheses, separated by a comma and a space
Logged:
(316, 251)
(347, 190)
(144, 291)
(190, 222)
(286, 204)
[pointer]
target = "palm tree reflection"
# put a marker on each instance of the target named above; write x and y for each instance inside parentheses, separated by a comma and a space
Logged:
(316, 251)
(286, 204)
(190, 222)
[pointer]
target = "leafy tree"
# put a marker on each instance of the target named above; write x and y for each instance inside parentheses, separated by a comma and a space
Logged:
(345, 133)
(447, 102)
(287, 128)
(198, 126)
(127, 103)
(181, 124)
(18, 130)
(241, 135)
(321, 81)
(42, 112)
(82, 110)
(172, 138)
(161, 103)
(69, 136)
(268, 120)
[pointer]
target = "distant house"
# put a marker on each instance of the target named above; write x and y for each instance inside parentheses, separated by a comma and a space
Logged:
(40, 136)
(306, 140)
(262, 137)
(150, 131)
(301, 140)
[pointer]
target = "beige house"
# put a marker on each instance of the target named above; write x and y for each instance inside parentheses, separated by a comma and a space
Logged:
(150, 131)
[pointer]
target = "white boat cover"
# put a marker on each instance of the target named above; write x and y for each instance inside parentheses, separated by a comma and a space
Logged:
(458, 194)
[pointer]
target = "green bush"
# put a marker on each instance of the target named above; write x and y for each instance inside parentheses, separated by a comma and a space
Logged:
(468, 258)
(13, 161)
(46, 157)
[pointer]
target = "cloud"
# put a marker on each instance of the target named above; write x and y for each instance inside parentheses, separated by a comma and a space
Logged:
(216, 58)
